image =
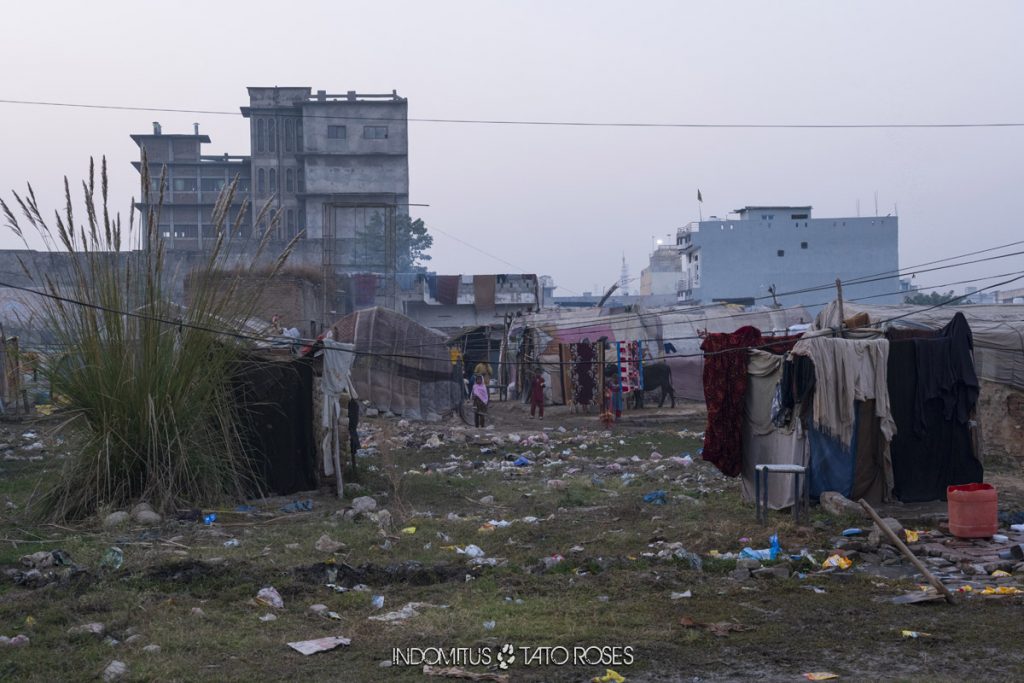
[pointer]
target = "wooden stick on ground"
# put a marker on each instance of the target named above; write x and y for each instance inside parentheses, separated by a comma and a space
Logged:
(939, 586)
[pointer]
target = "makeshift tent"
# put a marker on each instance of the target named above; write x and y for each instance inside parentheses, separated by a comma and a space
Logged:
(670, 334)
(400, 365)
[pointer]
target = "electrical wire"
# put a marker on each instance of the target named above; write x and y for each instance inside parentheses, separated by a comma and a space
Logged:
(309, 342)
(526, 122)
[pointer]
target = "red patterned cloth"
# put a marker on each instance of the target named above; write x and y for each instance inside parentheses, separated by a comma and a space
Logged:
(725, 388)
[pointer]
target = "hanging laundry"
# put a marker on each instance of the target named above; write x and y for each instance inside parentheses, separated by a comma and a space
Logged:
(585, 373)
(448, 288)
(725, 387)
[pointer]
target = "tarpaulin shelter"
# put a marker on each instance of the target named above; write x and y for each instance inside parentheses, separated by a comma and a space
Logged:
(400, 365)
(669, 334)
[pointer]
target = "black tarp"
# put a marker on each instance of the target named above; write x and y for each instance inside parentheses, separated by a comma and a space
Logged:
(275, 400)
(931, 397)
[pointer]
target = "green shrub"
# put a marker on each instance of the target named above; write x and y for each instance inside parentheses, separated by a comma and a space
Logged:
(146, 381)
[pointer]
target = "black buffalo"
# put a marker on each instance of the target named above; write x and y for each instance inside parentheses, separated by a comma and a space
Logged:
(656, 376)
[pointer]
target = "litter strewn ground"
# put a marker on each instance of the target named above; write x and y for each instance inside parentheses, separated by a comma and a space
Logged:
(561, 552)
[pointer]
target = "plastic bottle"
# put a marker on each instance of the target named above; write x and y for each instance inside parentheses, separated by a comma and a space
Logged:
(775, 549)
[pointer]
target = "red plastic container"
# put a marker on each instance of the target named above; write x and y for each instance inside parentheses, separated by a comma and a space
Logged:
(973, 510)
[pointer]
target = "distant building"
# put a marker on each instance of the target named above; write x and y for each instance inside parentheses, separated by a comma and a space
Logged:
(661, 277)
(454, 302)
(335, 166)
(742, 259)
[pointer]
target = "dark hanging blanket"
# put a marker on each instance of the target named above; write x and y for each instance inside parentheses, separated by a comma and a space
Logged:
(725, 388)
(276, 407)
(931, 384)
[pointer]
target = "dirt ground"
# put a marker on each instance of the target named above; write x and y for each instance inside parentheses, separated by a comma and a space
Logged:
(624, 567)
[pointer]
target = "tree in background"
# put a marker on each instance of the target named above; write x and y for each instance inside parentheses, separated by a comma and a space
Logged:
(413, 243)
(933, 299)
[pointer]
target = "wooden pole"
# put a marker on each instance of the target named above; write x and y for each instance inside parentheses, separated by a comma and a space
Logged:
(939, 586)
(839, 298)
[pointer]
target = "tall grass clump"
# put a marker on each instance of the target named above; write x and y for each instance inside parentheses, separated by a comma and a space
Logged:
(147, 382)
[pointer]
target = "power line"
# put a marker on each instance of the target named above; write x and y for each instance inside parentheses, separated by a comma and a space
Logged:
(541, 122)
(848, 283)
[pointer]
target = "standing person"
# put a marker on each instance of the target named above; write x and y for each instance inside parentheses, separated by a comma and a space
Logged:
(613, 397)
(480, 399)
(353, 431)
(457, 371)
(537, 394)
(483, 369)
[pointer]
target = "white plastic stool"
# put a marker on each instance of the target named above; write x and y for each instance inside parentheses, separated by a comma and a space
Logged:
(800, 489)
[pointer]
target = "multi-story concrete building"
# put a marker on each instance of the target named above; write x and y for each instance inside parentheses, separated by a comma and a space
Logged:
(192, 184)
(782, 248)
(334, 166)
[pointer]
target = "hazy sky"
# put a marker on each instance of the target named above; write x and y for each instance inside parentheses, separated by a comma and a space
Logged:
(567, 201)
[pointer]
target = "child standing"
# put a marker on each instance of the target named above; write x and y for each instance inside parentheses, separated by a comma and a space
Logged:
(537, 394)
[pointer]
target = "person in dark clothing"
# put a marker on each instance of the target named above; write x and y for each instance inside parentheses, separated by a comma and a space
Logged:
(537, 394)
(353, 430)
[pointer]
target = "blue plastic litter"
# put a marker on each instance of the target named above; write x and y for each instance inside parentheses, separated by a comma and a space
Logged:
(852, 532)
(775, 548)
(762, 554)
(522, 461)
(299, 506)
(700, 451)
(210, 518)
(655, 497)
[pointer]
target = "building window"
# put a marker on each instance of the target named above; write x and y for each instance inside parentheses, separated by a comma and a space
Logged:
(302, 218)
(273, 181)
(243, 185)
(185, 184)
(289, 135)
(798, 216)
(336, 132)
(272, 135)
(212, 184)
(289, 180)
(300, 184)
(261, 182)
(781, 252)
(261, 136)
(154, 186)
(375, 132)
(290, 223)
(298, 135)
(803, 245)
